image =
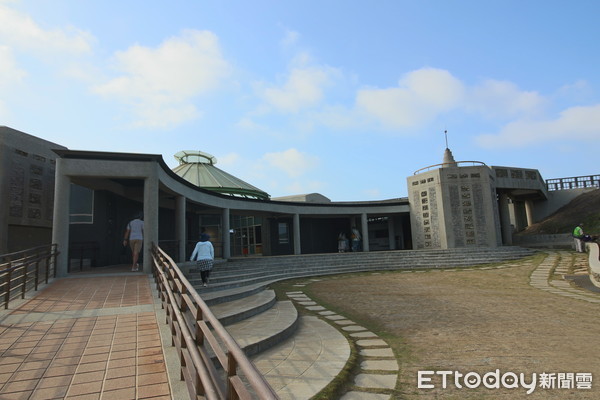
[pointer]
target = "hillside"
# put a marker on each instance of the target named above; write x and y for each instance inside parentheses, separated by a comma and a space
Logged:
(584, 208)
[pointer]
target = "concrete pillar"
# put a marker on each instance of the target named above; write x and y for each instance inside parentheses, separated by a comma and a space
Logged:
(60, 222)
(180, 228)
(150, 217)
(365, 231)
(529, 212)
(391, 233)
(297, 249)
(505, 220)
(226, 235)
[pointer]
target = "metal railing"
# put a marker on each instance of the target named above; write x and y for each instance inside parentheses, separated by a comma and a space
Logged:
(574, 182)
(21, 271)
(451, 164)
(211, 360)
(83, 251)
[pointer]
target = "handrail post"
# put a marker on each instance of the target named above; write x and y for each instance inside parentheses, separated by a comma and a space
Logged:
(55, 258)
(48, 266)
(231, 371)
(37, 273)
(8, 280)
(24, 283)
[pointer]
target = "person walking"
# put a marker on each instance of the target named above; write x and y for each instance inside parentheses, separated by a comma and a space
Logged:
(204, 254)
(342, 243)
(578, 237)
(134, 234)
(355, 239)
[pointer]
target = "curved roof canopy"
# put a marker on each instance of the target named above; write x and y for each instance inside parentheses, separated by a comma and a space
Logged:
(199, 169)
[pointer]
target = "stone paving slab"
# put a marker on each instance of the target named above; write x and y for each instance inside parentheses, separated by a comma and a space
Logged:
(366, 334)
(375, 381)
(387, 352)
(364, 396)
(335, 317)
(371, 342)
(354, 328)
(382, 365)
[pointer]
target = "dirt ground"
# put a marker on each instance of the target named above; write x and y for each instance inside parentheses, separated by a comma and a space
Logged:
(473, 321)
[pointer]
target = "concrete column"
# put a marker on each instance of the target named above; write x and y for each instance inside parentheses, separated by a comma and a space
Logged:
(529, 212)
(226, 235)
(297, 249)
(505, 220)
(391, 233)
(180, 228)
(365, 231)
(60, 222)
(150, 217)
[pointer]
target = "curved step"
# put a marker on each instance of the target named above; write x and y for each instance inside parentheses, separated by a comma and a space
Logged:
(302, 365)
(237, 310)
(265, 330)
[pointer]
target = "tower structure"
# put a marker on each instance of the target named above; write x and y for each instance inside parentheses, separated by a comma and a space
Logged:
(453, 204)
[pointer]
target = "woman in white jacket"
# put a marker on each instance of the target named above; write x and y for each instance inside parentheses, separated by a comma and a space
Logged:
(204, 254)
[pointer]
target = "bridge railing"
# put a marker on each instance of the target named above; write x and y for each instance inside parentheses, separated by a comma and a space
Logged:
(212, 363)
(574, 182)
(24, 270)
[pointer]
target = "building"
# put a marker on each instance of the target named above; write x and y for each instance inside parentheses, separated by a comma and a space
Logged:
(27, 167)
(452, 204)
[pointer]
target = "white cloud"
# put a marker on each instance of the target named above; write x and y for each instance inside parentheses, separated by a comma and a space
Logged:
(290, 38)
(420, 96)
(503, 99)
(575, 123)
(10, 73)
(21, 31)
(161, 82)
(304, 88)
(292, 162)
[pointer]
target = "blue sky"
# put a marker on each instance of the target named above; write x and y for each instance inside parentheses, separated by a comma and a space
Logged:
(344, 98)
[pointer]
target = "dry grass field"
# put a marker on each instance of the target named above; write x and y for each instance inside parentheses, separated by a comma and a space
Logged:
(472, 321)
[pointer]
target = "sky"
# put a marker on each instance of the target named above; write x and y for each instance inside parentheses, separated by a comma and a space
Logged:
(343, 98)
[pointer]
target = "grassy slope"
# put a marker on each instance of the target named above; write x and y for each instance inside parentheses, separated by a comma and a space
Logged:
(584, 208)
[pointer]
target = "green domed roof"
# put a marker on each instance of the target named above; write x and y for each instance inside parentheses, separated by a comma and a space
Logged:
(199, 169)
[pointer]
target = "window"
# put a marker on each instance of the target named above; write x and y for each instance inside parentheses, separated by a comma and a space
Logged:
(81, 207)
(284, 233)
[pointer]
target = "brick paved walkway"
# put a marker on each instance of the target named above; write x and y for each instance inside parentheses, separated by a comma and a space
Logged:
(84, 338)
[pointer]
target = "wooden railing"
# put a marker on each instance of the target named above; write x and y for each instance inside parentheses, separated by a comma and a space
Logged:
(212, 363)
(21, 271)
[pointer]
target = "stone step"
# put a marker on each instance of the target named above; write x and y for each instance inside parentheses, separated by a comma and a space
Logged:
(265, 330)
(223, 295)
(222, 275)
(244, 308)
(302, 365)
(231, 279)
(401, 256)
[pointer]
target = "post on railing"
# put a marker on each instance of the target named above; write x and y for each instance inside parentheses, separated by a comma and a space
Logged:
(8, 280)
(24, 284)
(54, 256)
(37, 272)
(48, 257)
(231, 371)
(199, 332)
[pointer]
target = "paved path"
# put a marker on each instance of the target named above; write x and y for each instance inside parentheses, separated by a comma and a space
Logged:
(379, 370)
(550, 275)
(88, 337)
